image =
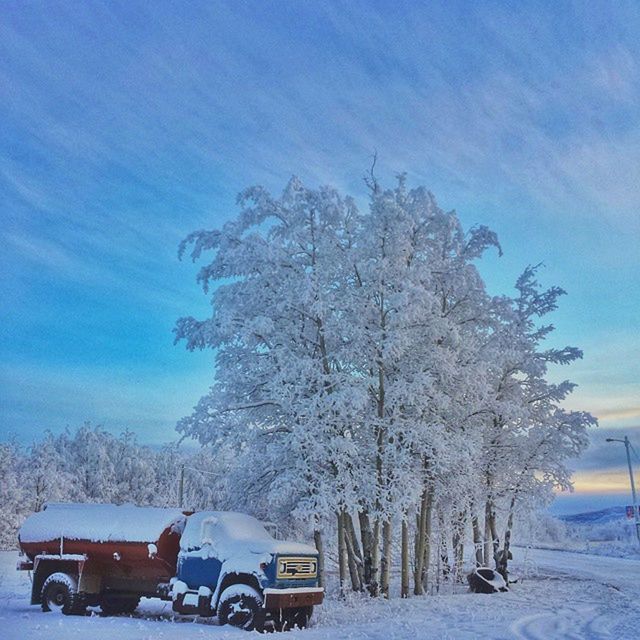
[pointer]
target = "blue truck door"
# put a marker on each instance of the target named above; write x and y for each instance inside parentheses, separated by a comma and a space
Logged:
(196, 569)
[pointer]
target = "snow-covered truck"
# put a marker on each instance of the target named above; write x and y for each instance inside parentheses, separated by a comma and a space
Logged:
(208, 563)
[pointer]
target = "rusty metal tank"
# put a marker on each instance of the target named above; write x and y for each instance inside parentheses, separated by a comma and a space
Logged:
(122, 540)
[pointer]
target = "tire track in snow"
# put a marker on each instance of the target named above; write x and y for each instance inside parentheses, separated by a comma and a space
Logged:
(566, 623)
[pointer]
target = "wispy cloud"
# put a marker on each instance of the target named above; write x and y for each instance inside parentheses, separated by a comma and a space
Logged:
(602, 482)
(619, 414)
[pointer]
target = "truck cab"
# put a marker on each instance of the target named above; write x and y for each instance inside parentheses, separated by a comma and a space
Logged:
(229, 565)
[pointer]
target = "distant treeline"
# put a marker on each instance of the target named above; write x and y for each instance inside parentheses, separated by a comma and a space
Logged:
(90, 464)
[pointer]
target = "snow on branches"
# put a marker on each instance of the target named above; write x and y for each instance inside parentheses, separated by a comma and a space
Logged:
(364, 376)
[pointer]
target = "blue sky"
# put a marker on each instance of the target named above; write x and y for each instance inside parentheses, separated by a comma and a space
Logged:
(125, 125)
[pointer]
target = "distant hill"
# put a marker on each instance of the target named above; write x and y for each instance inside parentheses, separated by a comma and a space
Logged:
(604, 516)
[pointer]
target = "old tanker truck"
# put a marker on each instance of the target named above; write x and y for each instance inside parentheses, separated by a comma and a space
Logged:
(208, 563)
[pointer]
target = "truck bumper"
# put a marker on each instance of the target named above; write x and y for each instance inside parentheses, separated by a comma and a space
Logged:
(293, 598)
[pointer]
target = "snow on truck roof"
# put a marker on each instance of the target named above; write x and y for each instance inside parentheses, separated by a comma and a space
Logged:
(231, 533)
(240, 526)
(100, 523)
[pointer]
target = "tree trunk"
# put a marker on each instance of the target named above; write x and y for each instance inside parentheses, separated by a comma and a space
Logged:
(502, 558)
(380, 442)
(426, 557)
(421, 542)
(457, 544)
(342, 553)
(374, 585)
(477, 538)
(317, 538)
(404, 581)
(367, 547)
(487, 554)
(385, 564)
(352, 561)
(460, 561)
(444, 554)
(355, 554)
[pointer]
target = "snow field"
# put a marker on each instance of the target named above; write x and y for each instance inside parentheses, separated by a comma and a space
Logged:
(563, 596)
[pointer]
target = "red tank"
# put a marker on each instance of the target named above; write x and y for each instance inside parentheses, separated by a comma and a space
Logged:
(119, 543)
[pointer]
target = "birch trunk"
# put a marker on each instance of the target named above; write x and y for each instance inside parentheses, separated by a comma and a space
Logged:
(495, 538)
(342, 553)
(374, 585)
(385, 564)
(477, 538)
(502, 558)
(421, 541)
(317, 538)
(355, 554)
(457, 544)
(356, 583)
(444, 554)
(487, 547)
(366, 536)
(426, 558)
(404, 580)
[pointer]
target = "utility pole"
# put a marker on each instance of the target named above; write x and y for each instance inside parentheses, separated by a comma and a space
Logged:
(636, 515)
(181, 486)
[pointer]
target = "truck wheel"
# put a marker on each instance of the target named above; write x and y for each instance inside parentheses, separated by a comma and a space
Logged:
(60, 594)
(112, 605)
(241, 606)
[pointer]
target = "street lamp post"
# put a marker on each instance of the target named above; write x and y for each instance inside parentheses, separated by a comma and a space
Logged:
(636, 515)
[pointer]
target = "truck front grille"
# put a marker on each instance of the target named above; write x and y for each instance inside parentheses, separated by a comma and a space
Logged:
(297, 568)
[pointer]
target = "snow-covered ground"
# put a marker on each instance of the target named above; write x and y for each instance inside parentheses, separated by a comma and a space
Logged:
(562, 596)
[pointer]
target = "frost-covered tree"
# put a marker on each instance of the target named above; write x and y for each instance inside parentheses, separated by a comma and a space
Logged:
(527, 436)
(366, 381)
(12, 492)
(285, 395)
(45, 476)
(88, 465)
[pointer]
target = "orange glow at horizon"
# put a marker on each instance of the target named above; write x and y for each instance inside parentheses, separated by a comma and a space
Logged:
(592, 482)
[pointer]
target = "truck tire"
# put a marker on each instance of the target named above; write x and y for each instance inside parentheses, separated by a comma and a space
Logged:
(112, 605)
(60, 594)
(241, 606)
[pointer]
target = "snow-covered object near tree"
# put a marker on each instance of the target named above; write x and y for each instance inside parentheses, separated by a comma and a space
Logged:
(235, 543)
(102, 548)
(486, 580)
